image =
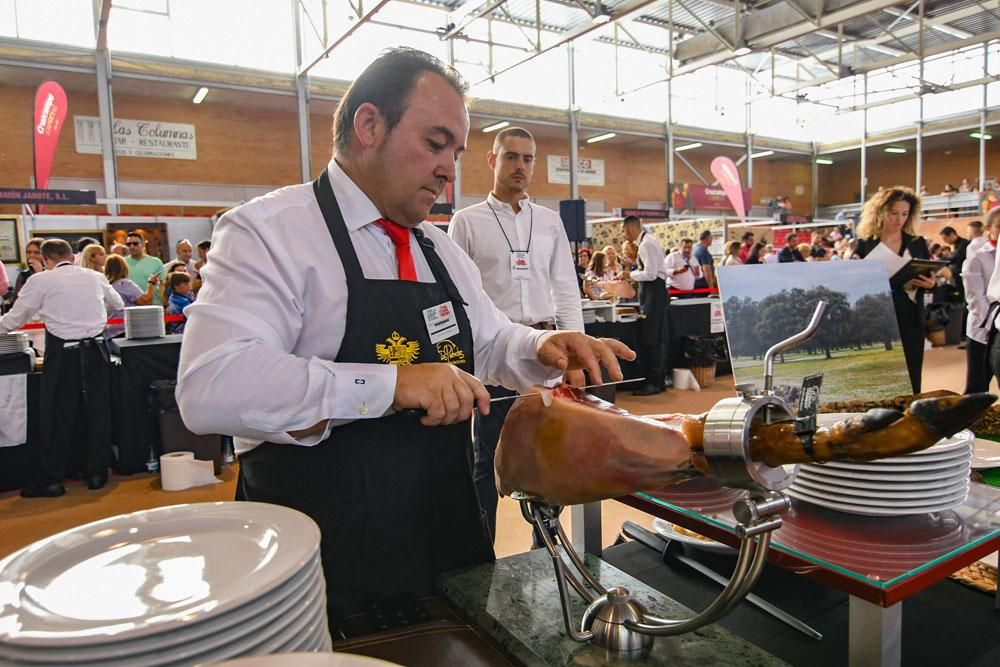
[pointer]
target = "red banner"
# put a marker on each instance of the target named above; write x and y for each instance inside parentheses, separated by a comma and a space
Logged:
(728, 176)
(50, 113)
(690, 197)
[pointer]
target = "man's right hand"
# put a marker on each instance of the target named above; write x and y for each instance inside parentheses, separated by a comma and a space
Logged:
(446, 393)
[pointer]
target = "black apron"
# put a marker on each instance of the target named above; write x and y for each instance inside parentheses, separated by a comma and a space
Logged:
(394, 499)
(653, 306)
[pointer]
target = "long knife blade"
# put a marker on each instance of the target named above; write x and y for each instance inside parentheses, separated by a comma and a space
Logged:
(658, 543)
(589, 386)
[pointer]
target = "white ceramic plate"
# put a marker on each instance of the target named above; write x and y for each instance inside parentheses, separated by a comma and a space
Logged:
(149, 572)
(901, 503)
(307, 660)
(894, 485)
(961, 457)
(864, 510)
(985, 454)
(192, 640)
(888, 475)
(929, 494)
(666, 529)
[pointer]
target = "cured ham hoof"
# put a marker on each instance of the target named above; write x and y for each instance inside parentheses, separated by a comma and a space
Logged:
(948, 415)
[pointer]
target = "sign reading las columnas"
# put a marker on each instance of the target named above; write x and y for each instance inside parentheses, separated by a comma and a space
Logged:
(138, 138)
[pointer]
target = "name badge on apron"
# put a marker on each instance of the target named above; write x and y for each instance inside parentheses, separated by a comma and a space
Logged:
(520, 266)
(441, 322)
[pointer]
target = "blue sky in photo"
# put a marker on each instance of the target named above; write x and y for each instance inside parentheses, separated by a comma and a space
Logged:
(855, 278)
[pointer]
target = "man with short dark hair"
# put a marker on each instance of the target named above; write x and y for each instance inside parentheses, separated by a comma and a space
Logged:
(143, 268)
(956, 260)
(706, 262)
(523, 254)
(977, 239)
(790, 253)
(653, 301)
(681, 269)
(74, 303)
(337, 334)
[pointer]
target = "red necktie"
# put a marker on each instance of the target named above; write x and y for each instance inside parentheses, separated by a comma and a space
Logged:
(401, 239)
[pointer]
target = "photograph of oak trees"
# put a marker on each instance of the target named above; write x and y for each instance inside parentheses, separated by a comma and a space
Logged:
(856, 348)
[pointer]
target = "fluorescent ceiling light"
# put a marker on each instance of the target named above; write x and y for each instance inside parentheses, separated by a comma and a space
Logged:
(687, 147)
(496, 126)
(742, 51)
(884, 49)
(824, 160)
(600, 137)
(200, 95)
(761, 154)
(895, 149)
(977, 135)
(601, 16)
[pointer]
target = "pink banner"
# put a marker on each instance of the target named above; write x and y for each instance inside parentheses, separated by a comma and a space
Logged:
(50, 112)
(725, 170)
(691, 197)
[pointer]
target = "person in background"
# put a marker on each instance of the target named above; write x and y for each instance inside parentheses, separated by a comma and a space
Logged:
(706, 263)
(746, 247)
(949, 189)
(977, 240)
(790, 253)
(955, 262)
(181, 296)
(119, 249)
(816, 248)
(116, 271)
(583, 259)
(184, 253)
(76, 379)
(93, 257)
(33, 258)
(888, 219)
(757, 253)
(977, 272)
(965, 186)
(653, 303)
(203, 248)
(596, 273)
(142, 266)
(923, 191)
(681, 268)
(935, 250)
(333, 292)
(82, 243)
(770, 256)
(4, 281)
(732, 255)
(611, 259)
(803, 250)
(629, 256)
(522, 252)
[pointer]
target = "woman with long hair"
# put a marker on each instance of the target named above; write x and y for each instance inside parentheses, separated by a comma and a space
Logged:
(887, 220)
(611, 263)
(757, 252)
(116, 271)
(732, 256)
(33, 257)
(93, 257)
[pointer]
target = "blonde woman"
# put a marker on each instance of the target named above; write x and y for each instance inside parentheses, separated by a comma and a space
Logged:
(732, 256)
(93, 257)
(116, 271)
(887, 219)
(611, 264)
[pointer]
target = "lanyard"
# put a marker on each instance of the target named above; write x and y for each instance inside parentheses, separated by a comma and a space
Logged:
(531, 226)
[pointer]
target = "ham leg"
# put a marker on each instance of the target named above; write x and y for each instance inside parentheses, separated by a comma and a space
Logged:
(581, 449)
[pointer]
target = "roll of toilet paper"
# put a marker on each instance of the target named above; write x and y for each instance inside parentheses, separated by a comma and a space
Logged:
(181, 470)
(684, 379)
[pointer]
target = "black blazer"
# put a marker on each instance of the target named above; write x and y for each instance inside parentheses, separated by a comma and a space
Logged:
(917, 246)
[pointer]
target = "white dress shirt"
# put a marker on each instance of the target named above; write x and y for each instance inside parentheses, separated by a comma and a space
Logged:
(685, 279)
(258, 351)
(551, 292)
(982, 287)
(651, 257)
(74, 302)
(975, 245)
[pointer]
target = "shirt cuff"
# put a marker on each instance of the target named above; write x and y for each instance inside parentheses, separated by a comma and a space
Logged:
(362, 391)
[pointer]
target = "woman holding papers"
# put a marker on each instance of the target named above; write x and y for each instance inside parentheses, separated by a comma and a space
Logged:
(885, 234)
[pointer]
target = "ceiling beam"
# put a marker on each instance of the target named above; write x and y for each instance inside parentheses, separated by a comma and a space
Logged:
(372, 11)
(468, 18)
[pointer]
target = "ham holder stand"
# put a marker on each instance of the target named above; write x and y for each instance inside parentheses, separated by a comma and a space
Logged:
(617, 622)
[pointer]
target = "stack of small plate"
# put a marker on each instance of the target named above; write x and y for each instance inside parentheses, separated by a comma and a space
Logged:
(175, 585)
(699, 494)
(144, 322)
(932, 480)
(13, 343)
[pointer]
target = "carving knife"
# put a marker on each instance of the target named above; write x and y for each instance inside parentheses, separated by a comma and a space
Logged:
(589, 386)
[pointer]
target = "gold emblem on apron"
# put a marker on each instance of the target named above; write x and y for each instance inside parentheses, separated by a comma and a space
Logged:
(450, 353)
(397, 350)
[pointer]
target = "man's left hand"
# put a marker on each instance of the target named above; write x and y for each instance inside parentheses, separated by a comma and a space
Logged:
(624, 275)
(575, 351)
(575, 378)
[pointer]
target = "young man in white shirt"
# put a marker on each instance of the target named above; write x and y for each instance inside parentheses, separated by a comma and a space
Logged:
(74, 303)
(357, 313)
(681, 268)
(522, 251)
(653, 301)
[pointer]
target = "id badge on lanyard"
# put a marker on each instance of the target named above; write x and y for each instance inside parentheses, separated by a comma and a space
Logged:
(520, 265)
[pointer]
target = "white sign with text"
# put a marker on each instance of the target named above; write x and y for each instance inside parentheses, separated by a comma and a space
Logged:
(138, 138)
(588, 171)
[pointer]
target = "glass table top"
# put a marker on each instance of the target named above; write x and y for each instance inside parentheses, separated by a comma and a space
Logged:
(864, 555)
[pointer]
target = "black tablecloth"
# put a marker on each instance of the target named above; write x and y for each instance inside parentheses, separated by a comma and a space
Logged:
(17, 463)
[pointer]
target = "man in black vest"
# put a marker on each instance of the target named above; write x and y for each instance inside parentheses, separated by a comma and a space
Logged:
(356, 314)
(74, 303)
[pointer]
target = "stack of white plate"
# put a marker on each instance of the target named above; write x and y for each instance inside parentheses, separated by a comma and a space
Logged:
(932, 480)
(13, 343)
(144, 322)
(175, 585)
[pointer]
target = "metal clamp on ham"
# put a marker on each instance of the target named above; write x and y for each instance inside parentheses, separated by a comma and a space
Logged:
(570, 448)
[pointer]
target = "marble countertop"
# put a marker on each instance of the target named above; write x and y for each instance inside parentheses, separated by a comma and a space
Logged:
(514, 603)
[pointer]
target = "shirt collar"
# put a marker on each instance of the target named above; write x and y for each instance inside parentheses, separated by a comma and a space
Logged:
(504, 206)
(358, 210)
